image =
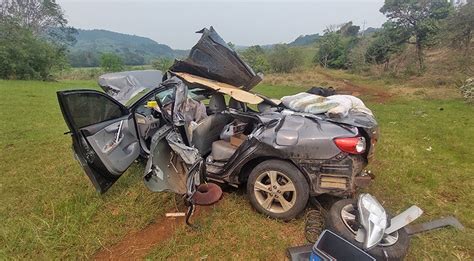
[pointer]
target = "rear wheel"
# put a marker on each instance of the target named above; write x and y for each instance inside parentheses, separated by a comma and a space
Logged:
(277, 189)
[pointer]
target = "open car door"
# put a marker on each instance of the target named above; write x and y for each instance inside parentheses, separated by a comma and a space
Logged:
(104, 137)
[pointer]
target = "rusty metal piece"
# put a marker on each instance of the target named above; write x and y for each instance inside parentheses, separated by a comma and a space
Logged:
(362, 181)
(434, 224)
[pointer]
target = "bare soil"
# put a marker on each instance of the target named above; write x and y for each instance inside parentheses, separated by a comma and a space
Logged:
(136, 245)
(348, 87)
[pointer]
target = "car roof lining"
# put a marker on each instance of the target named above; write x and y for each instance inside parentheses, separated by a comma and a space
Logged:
(221, 87)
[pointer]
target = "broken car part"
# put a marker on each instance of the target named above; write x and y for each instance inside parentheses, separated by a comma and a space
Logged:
(364, 222)
(434, 224)
(373, 218)
(168, 124)
(125, 86)
(224, 88)
(212, 58)
(314, 224)
(207, 194)
(403, 219)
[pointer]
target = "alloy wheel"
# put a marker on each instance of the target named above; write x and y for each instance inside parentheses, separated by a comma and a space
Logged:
(274, 191)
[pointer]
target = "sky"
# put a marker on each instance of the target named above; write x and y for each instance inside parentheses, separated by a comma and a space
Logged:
(243, 22)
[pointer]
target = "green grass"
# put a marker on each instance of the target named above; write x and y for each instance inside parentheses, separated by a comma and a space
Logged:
(49, 209)
(439, 181)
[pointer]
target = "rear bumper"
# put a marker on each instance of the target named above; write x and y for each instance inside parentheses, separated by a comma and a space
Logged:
(340, 176)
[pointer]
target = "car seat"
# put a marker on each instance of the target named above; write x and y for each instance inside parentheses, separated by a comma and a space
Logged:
(208, 130)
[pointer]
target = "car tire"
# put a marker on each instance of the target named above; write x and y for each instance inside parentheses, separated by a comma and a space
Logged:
(334, 222)
(286, 203)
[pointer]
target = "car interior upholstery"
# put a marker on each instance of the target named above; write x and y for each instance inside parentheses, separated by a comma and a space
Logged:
(206, 134)
(208, 130)
(237, 105)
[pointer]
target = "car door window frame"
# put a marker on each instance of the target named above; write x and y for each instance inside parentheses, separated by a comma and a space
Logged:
(66, 109)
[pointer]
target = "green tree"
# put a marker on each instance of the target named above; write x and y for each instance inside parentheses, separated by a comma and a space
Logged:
(349, 30)
(459, 28)
(387, 42)
(42, 17)
(25, 56)
(256, 58)
(111, 62)
(162, 64)
(132, 58)
(332, 51)
(356, 60)
(420, 18)
(84, 59)
(33, 38)
(282, 58)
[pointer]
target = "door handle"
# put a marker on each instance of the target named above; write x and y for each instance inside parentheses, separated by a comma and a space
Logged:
(116, 141)
(119, 131)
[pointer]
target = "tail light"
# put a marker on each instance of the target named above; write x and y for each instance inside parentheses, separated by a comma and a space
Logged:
(353, 145)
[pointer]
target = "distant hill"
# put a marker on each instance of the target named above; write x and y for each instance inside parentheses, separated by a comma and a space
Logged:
(303, 40)
(134, 50)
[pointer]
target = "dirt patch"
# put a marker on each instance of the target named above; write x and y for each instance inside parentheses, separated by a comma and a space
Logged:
(379, 96)
(136, 245)
(347, 87)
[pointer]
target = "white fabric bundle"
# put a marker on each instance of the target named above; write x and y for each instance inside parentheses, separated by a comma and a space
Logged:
(335, 106)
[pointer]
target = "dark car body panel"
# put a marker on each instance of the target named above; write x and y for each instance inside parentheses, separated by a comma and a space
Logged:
(306, 143)
(304, 140)
(212, 58)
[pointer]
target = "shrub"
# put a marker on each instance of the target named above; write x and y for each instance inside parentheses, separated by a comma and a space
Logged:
(162, 64)
(25, 56)
(111, 62)
(256, 58)
(284, 59)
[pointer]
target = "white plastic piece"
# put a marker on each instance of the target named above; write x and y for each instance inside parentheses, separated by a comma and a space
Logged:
(404, 218)
(177, 214)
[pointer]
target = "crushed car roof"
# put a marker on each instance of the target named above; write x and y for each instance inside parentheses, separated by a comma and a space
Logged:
(213, 59)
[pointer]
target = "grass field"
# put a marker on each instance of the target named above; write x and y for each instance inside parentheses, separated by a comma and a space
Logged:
(49, 209)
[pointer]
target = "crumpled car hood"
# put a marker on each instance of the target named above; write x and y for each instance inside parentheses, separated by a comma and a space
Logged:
(213, 59)
(124, 86)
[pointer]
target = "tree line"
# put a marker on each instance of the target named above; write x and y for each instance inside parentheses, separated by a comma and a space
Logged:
(35, 36)
(422, 24)
(35, 39)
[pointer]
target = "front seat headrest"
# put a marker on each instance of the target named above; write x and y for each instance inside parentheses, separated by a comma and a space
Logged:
(217, 103)
(236, 105)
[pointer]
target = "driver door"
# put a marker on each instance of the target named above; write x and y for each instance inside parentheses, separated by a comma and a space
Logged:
(104, 136)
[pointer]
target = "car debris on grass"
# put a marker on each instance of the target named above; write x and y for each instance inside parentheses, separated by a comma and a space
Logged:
(282, 151)
(200, 122)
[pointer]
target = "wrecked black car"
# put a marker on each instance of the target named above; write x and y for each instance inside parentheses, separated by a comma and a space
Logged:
(201, 122)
